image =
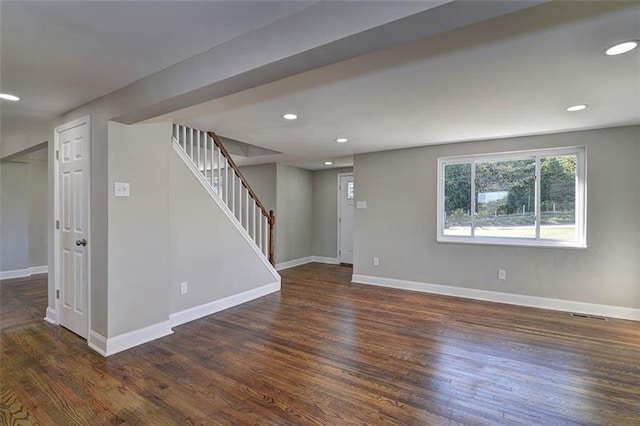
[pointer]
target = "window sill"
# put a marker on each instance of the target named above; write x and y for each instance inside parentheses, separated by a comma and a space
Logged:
(517, 242)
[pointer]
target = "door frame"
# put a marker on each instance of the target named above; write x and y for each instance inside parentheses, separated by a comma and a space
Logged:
(57, 258)
(339, 222)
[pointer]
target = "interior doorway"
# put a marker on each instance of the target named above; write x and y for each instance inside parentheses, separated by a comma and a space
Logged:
(24, 236)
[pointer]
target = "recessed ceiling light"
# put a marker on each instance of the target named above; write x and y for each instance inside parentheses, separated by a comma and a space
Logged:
(328, 163)
(289, 116)
(620, 48)
(341, 140)
(574, 108)
(9, 97)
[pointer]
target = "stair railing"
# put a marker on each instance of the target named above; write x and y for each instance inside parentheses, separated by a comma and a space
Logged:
(214, 162)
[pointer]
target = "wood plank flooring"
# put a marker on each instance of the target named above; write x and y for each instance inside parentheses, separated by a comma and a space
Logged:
(327, 352)
(23, 301)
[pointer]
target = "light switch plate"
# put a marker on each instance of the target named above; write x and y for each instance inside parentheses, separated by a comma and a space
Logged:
(121, 189)
(502, 274)
(361, 205)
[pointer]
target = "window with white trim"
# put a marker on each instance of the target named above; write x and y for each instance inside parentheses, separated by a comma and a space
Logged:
(535, 198)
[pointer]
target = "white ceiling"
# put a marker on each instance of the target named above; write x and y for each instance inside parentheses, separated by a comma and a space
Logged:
(57, 55)
(508, 76)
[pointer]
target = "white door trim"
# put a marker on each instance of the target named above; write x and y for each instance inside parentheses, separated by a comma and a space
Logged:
(339, 177)
(56, 213)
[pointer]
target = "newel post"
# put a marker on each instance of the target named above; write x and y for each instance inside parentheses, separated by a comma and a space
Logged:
(272, 222)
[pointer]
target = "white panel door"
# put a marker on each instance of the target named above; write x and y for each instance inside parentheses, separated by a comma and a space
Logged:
(345, 220)
(73, 205)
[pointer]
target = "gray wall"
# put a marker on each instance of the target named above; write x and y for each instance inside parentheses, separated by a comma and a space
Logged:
(325, 212)
(168, 231)
(38, 199)
(23, 215)
(399, 224)
(262, 179)
(287, 188)
(206, 250)
(138, 227)
(14, 216)
(294, 220)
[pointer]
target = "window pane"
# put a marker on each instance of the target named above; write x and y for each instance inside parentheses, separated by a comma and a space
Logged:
(505, 199)
(457, 199)
(558, 197)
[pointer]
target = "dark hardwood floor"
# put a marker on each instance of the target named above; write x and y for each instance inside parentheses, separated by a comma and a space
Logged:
(324, 351)
(23, 301)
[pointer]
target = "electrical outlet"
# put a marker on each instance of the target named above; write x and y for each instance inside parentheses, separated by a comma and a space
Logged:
(502, 274)
(183, 288)
(376, 261)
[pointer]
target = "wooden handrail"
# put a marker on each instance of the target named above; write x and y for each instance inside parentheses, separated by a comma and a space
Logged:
(269, 214)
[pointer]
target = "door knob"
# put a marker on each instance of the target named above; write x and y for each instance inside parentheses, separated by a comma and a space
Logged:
(81, 242)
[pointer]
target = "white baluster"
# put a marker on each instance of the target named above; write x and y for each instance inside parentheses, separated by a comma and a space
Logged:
(266, 235)
(246, 220)
(202, 151)
(213, 145)
(196, 151)
(260, 229)
(233, 192)
(239, 211)
(223, 181)
(219, 173)
(203, 137)
(226, 181)
(191, 144)
(253, 218)
(184, 138)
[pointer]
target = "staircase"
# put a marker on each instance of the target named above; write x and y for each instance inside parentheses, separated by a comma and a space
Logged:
(207, 154)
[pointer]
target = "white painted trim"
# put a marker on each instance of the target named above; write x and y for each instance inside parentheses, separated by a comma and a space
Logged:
(16, 273)
(338, 221)
(51, 316)
(206, 309)
(194, 170)
(473, 159)
(44, 269)
(499, 297)
(295, 262)
(113, 345)
(98, 342)
(19, 273)
(309, 259)
(327, 260)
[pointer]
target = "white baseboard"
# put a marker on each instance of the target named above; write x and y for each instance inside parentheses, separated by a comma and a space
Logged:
(305, 260)
(44, 269)
(20, 273)
(499, 297)
(113, 345)
(50, 316)
(327, 260)
(98, 342)
(16, 273)
(203, 310)
(292, 263)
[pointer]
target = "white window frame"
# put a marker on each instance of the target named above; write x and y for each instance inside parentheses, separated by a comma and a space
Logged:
(581, 198)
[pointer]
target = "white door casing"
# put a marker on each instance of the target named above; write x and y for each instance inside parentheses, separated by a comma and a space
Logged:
(72, 196)
(345, 218)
